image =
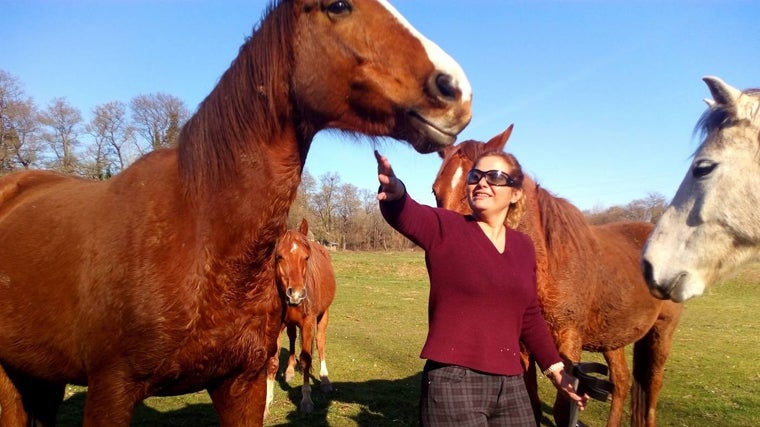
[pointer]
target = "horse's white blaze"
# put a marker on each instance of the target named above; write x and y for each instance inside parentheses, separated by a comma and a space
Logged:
(441, 60)
(457, 178)
(712, 226)
(293, 248)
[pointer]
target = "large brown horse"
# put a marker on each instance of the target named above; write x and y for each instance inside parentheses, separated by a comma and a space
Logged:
(590, 286)
(305, 276)
(160, 281)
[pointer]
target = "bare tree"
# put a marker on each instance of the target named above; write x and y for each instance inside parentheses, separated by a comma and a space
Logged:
(300, 208)
(111, 134)
(347, 208)
(648, 209)
(26, 124)
(18, 125)
(157, 118)
(656, 204)
(63, 122)
(323, 205)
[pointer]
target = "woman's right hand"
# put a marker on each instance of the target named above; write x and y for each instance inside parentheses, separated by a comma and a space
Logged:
(391, 188)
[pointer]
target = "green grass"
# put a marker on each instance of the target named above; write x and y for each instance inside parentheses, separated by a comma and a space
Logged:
(378, 324)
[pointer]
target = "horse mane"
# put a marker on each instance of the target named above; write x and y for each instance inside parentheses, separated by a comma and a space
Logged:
(210, 143)
(565, 227)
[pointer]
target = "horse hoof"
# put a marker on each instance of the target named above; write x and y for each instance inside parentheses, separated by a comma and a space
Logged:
(326, 387)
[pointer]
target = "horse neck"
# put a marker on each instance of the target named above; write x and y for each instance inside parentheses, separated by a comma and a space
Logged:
(558, 229)
(242, 153)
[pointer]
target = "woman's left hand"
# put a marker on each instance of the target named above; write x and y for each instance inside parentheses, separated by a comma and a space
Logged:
(564, 382)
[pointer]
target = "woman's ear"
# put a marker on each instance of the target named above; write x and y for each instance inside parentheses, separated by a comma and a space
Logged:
(517, 195)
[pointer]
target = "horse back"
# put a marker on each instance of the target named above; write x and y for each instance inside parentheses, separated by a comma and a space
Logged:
(620, 245)
(635, 233)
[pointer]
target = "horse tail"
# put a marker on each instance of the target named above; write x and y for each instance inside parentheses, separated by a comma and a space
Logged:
(641, 386)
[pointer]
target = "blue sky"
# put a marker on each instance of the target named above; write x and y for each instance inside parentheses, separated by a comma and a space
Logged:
(604, 95)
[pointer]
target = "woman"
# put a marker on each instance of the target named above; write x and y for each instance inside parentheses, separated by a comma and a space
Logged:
(482, 299)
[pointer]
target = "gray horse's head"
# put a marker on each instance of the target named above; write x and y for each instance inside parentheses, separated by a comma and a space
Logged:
(712, 226)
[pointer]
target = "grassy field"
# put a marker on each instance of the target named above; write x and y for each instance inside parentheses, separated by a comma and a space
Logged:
(378, 324)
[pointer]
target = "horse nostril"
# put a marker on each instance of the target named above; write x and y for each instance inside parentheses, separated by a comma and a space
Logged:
(446, 87)
(648, 271)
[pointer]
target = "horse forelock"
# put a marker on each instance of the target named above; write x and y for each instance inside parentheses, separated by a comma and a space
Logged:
(247, 104)
(719, 116)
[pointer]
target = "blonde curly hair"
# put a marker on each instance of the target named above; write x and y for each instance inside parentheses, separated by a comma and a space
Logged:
(516, 209)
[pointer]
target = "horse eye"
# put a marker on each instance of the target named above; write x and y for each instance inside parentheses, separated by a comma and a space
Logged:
(339, 7)
(702, 168)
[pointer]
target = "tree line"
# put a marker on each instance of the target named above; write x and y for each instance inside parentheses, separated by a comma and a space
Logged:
(57, 137)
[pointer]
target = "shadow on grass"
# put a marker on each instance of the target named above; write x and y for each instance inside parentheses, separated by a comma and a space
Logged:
(380, 402)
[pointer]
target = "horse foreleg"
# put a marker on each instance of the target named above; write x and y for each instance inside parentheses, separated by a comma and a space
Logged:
(569, 346)
(307, 340)
(290, 371)
(111, 399)
(273, 365)
(649, 356)
(322, 321)
(620, 377)
(240, 400)
(28, 401)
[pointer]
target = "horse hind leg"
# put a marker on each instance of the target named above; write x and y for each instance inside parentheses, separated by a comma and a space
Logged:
(26, 401)
(12, 412)
(649, 356)
(620, 377)
(322, 322)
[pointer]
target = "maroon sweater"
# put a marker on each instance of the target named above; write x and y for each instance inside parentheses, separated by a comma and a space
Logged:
(482, 302)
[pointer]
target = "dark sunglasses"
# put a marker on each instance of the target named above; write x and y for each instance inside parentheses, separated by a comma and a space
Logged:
(493, 177)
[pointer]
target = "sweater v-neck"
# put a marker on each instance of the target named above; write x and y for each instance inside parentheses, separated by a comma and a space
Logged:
(487, 239)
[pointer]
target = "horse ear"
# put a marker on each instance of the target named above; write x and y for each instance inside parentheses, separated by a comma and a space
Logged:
(304, 228)
(498, 142)
(444, 152)
(722, 92)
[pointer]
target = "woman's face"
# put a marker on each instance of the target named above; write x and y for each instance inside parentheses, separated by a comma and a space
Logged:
(485, 198)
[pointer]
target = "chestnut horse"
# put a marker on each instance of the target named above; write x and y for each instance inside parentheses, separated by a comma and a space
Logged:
(711, 228)
(160, 281)
(590, 287)
(305, 275)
